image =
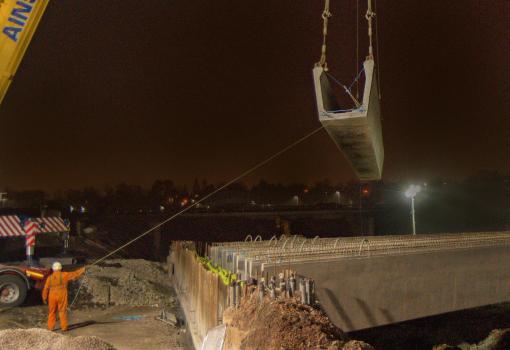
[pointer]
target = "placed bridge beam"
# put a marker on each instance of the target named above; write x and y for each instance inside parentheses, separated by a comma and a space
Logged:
(372, 291)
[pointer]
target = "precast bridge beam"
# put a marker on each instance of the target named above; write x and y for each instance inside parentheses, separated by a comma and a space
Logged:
(365, 282)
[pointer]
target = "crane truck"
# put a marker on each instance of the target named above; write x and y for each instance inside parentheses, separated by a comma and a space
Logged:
(16, 281)
(18, 22)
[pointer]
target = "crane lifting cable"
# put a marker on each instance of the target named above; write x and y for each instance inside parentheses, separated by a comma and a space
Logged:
(356, 131)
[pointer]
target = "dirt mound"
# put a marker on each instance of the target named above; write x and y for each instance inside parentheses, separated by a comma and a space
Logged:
(498, 339)
(134, 282)
(40, 339)
(283, 324)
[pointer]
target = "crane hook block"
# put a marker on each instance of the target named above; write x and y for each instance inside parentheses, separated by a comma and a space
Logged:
(357, 132)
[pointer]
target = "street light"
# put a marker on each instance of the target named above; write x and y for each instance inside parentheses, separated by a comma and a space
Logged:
(337, 197)
(411, 192)
(3, 198)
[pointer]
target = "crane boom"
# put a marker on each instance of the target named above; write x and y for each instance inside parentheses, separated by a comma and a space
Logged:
(18, 22)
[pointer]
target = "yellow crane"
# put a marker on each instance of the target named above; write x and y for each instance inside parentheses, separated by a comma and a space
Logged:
(18, 22)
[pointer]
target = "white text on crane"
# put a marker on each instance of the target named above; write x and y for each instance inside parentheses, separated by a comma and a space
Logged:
(18, 19)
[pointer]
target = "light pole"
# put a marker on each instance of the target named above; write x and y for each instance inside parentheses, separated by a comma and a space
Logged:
(3, 198)
(411, 192)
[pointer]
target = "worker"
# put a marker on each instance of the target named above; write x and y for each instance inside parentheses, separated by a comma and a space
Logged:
(55, 294)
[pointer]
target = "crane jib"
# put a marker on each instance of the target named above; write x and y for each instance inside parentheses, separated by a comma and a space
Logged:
(18, 22)
(18, 19)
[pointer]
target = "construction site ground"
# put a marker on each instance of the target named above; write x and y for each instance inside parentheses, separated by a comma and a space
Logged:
(139, 289)
(124, 327)
(120, 301)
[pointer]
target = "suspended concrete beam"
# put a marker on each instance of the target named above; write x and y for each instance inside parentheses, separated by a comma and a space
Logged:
(357, 132)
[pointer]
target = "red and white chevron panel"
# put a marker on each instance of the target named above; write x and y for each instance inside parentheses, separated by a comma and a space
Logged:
(10, 225)
(31, 229)
(51, 224)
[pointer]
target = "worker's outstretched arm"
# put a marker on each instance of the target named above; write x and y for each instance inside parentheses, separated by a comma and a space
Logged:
(70, 276)
(46, 289)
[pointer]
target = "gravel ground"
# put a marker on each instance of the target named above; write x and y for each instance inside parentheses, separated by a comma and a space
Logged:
(126, 282)
(40, 339)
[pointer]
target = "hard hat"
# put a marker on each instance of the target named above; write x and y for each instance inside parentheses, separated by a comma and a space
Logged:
(56, 266)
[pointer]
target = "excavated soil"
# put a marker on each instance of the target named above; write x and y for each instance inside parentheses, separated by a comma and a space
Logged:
(126, 282)
(40, 339)
(283, 324)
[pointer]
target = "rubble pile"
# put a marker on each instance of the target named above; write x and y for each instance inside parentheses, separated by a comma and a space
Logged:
(135, 282)
(282, 323)
(40, 339)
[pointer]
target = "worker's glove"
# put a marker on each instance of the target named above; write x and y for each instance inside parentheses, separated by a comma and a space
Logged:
(45, 302)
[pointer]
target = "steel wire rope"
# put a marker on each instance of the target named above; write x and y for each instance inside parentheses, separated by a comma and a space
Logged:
(377, 51)
(326, 14)
(357, 46)
(348, 91)
(182, 211)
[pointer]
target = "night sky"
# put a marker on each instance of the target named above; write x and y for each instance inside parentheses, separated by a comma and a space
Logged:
(125, 90)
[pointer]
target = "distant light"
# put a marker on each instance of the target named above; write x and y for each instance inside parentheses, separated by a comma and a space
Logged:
(161, 208)
(71, 208)
(412, 191)
(83, 209)
(306, 190)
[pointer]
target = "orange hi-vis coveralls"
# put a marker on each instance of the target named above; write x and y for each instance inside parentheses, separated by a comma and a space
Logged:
(55, 292)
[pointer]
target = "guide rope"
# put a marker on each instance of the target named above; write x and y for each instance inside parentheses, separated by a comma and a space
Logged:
(182, 211)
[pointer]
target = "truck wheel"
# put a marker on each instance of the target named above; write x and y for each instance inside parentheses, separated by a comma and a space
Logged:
(13, 291)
